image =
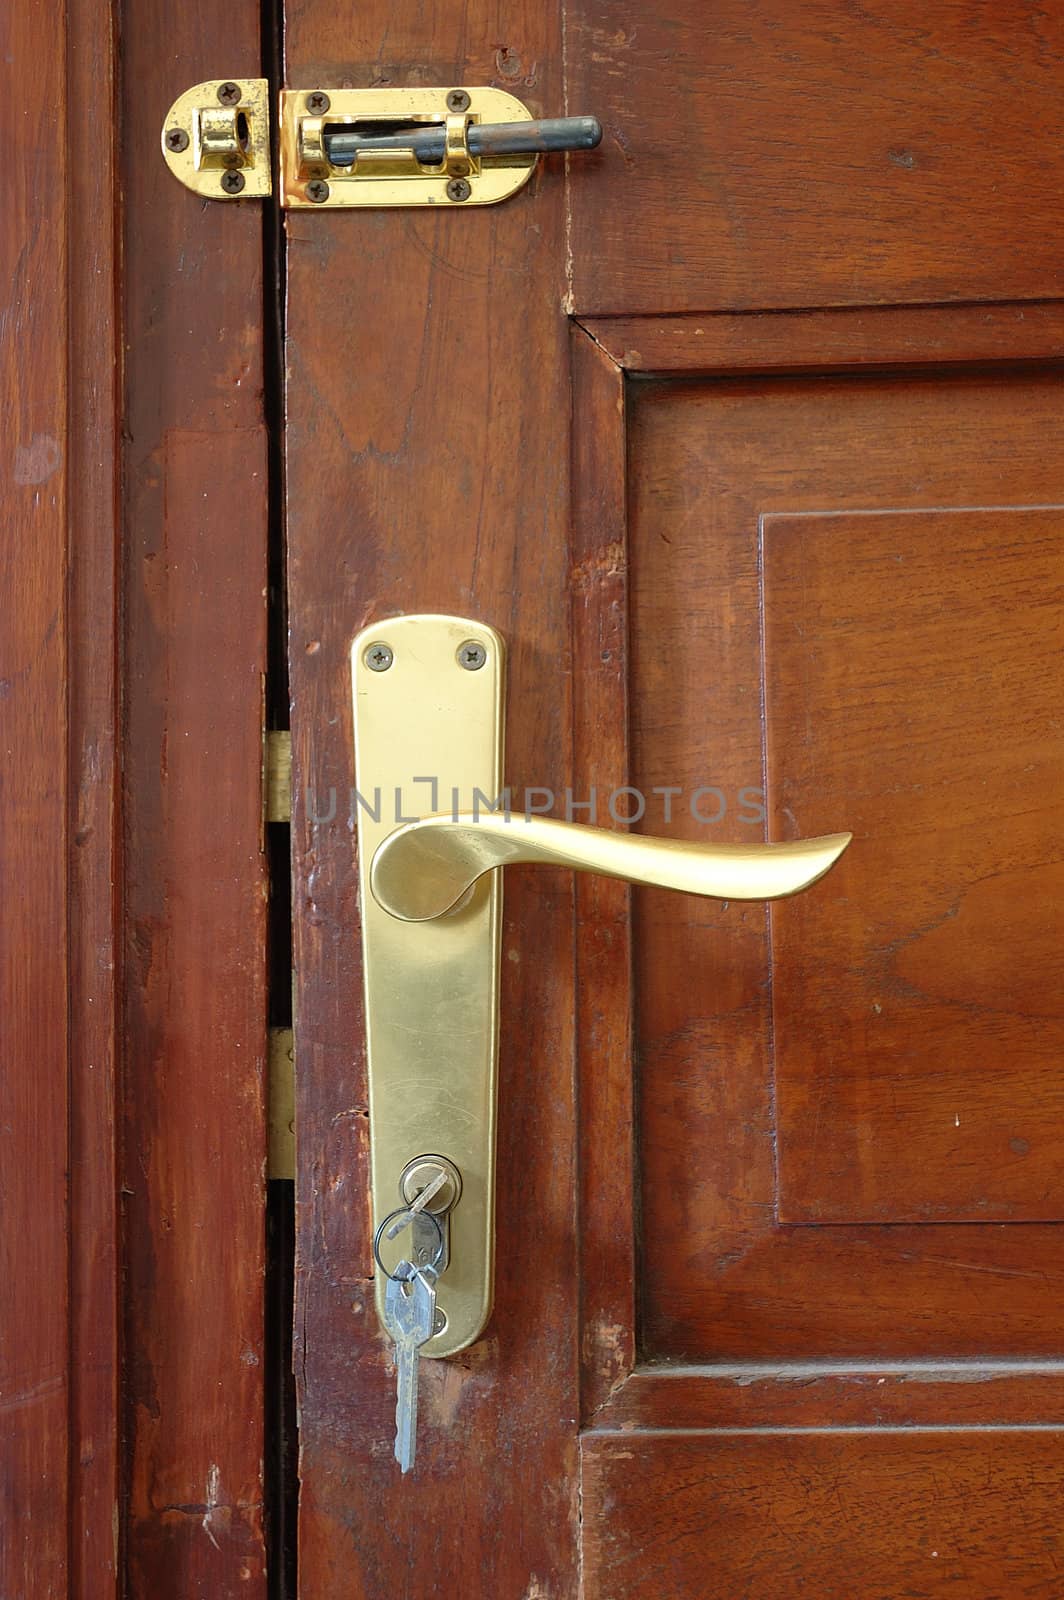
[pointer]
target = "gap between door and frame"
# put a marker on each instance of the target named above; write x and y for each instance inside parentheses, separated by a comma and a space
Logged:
(281, 1458)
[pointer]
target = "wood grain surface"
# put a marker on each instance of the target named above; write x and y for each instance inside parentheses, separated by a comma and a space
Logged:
(841, 1512)
(712, 466)
(93, 687)
(783, 155)
(427, 470)
(59, 1362)
(912, 679)
(35, 967)
(194, 581)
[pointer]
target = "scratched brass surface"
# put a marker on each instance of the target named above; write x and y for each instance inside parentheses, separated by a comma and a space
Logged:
(431, 988)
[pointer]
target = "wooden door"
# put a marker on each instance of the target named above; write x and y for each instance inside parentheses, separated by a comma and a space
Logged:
(744, 432)
(133, 1009)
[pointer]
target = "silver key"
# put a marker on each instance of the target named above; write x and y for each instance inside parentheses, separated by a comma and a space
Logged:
(409, 1314)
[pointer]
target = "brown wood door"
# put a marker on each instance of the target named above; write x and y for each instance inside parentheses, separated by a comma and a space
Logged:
(744, 431)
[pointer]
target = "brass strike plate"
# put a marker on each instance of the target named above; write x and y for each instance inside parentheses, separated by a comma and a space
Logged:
(428, 720)
(216, 139)
(395, 177)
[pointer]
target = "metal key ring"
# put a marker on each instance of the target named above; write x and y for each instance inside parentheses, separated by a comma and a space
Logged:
(423, 1266)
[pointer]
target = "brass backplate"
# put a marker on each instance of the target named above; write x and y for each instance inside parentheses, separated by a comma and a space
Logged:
(428, 697)
(216, 139)
(392, 179)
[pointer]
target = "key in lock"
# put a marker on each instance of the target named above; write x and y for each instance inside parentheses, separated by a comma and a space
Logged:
(430, 1184)
(429, 1188)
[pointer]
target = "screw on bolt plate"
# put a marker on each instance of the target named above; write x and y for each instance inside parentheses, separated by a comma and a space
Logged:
(458, 189)
(317, 190)
(229, 94)
(232, 182)
(318, 102)
(472, 655)
(176, 139)
(458, 100)
(378, 657)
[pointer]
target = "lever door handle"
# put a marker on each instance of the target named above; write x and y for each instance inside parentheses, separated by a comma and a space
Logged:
(428, 717)
(425, 868)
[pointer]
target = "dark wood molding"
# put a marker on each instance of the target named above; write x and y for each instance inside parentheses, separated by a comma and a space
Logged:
(598, 581)
(836, 1394)
(874, 337)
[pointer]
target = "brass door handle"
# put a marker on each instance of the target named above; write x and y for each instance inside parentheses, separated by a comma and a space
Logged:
(425, 868)
(428, 718)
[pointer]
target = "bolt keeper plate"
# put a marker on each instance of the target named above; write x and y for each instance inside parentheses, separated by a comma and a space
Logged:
(217, 141)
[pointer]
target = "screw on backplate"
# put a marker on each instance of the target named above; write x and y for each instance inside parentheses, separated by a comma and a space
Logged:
(378, 657)
(232, 182)
(176, 139)
(317, 190)
(458, 189)
(318, 102)
(439, 1321)
(458, 100)
(472, 655)
(229, 94)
